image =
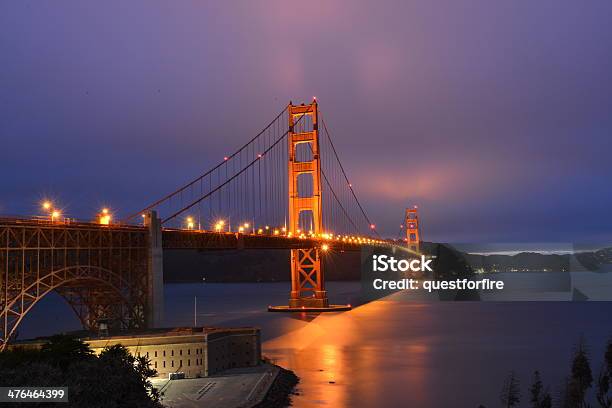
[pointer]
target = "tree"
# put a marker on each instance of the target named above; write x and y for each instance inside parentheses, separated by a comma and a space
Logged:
(125, 381)
(114, 379)
(540, 398)
(62, 351)
(536, 390)
(511, 393)
(605, 379)
(581, 377)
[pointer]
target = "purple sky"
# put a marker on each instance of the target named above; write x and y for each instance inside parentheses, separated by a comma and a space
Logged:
(494, 117)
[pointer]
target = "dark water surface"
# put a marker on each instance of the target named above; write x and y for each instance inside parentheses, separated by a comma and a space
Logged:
(387, 353)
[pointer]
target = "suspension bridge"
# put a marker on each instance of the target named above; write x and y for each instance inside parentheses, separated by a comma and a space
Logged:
(285, 188)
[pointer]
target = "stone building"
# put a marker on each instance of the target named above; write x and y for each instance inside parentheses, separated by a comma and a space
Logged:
(196, 352)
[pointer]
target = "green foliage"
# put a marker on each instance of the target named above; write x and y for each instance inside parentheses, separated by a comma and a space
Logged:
(115, 378)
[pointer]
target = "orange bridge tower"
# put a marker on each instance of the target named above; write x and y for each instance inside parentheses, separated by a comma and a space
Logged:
(413, 237)
(307, 278)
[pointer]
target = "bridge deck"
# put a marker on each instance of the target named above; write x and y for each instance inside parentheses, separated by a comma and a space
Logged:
(196, 239)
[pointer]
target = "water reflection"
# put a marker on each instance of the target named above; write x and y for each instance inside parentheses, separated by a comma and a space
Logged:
(392, 353)
(339, 357)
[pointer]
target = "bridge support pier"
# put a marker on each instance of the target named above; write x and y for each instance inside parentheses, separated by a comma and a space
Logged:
(307, 276)
(154, 315)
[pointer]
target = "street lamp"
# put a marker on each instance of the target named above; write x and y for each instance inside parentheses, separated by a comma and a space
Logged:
(219, 225)
(105, 216)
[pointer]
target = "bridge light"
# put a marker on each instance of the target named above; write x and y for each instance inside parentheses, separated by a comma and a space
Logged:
(284, 229)
(246, 225)
(267, 227)
(324, 247)
(54, 215)
(350, 185)
(104, 218)
(260, 231)
(372, 226)
(226, 158)
(276, 232)
(299, 231)
(190, 223)
(241, 229)
(259, 156)
(47, 205)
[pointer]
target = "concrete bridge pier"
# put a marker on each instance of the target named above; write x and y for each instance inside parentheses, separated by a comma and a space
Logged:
(154, 314)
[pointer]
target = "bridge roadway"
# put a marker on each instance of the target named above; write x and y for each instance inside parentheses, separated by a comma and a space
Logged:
(187, 239)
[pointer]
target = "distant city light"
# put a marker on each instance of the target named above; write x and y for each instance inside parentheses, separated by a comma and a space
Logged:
(47, 205)
(324, 247)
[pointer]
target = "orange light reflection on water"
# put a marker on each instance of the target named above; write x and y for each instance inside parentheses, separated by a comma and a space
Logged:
(343, 357)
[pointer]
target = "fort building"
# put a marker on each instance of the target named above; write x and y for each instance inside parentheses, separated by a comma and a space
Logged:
(196, 352)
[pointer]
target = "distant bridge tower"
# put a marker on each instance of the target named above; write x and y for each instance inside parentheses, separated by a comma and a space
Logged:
(413, 236)
(307, 278)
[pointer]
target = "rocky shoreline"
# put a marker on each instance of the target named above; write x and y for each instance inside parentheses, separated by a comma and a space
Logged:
(280, 392)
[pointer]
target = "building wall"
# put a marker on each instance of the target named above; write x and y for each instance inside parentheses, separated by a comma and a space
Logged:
(231, 350)
(197, 355)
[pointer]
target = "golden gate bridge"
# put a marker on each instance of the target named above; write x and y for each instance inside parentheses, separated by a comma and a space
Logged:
(286, 188)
